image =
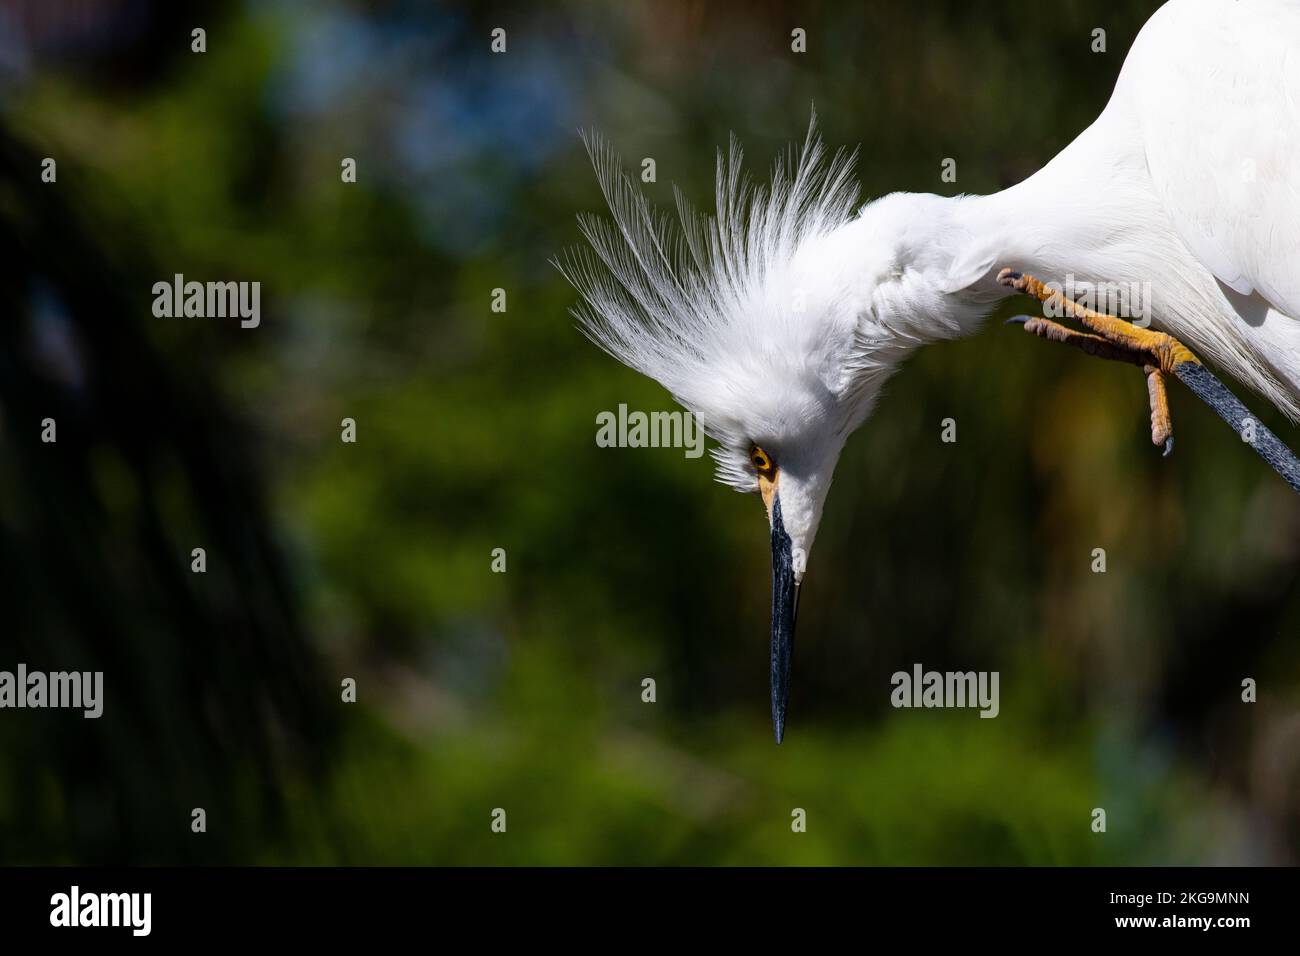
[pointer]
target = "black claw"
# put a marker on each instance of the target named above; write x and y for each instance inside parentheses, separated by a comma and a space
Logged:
(1169, 446)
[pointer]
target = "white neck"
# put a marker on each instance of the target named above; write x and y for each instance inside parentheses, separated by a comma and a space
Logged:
(928, 264)
(916, 268)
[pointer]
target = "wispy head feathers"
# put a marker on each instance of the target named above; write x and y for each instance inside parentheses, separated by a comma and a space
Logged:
(681, 298)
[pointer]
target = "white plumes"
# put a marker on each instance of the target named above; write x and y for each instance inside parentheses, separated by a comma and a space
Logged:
(690, 300)
(777, 320)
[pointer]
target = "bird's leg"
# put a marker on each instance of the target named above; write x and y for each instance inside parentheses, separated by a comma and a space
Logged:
(1161, 424)
(1166, 351)
(1156, 353)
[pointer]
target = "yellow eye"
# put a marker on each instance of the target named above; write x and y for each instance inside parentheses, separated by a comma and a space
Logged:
(761, 461)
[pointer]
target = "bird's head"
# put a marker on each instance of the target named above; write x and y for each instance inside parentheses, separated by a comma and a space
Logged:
(758, 320)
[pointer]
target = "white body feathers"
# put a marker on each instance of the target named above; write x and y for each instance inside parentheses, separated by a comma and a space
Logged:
(777, 321)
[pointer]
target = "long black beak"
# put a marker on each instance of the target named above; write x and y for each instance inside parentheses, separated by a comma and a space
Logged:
(785, 604)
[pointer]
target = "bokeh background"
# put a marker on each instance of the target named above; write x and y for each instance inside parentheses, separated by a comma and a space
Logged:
(476, 431)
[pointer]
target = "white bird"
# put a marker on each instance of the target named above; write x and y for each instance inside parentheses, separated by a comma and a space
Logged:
(777, 320)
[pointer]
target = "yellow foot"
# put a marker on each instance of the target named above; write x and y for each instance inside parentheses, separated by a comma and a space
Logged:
(1156, 353)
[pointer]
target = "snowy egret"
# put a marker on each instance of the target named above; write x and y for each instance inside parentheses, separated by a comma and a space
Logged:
(777, 319)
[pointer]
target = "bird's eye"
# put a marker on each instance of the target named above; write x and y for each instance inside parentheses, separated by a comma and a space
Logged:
(761, 461)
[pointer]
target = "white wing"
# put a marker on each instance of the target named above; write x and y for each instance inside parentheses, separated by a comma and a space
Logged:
(1218, 91)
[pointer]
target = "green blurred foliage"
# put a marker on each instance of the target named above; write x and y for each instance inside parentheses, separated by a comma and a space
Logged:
(476, 431)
